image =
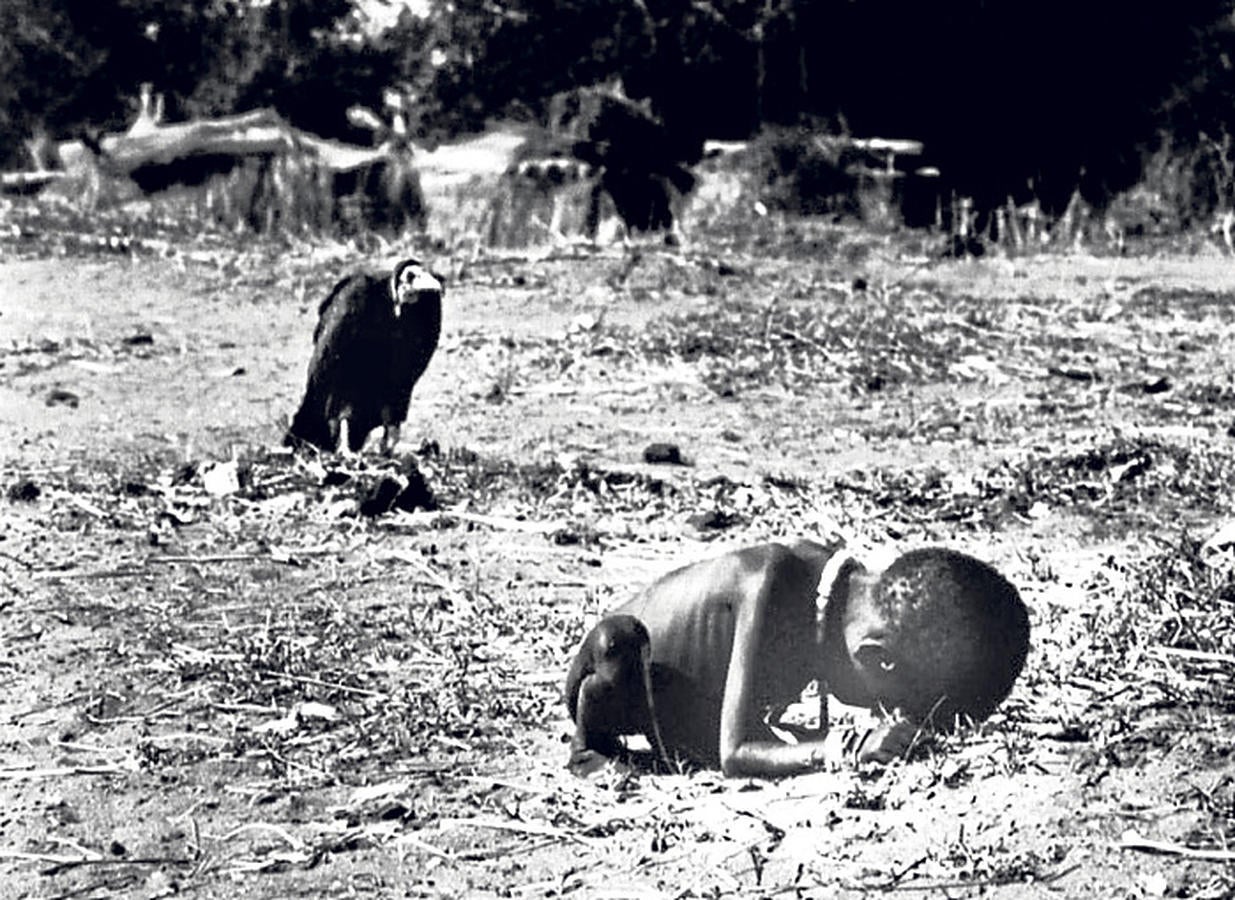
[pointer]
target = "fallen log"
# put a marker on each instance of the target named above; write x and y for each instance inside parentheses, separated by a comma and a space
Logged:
(257, 169)
(27, 182)
(259, 132)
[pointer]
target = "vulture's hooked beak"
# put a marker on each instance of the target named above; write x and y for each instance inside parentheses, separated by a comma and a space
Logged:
(422, 282)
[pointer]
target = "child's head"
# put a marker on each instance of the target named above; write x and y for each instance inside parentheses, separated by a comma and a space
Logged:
(936, 634)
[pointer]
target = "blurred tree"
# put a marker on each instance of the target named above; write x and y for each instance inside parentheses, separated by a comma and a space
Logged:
(1010, 97)
(73, 65)
(49, 74)
(297, 58)
(511, 58)
(435, 58)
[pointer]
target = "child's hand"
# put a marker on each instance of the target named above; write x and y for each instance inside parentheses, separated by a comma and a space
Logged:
(891, 739)
(584, 763)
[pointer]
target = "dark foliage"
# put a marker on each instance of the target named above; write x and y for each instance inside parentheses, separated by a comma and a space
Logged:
(642, 161)
(70, 66)
(1011, 99)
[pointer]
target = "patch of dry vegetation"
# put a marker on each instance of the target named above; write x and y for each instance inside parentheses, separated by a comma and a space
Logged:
(328, 681)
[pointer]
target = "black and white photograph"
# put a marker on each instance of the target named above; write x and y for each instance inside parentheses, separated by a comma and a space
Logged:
(617, 449)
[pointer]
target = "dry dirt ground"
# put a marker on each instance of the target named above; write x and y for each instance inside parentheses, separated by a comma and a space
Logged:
(220, 680)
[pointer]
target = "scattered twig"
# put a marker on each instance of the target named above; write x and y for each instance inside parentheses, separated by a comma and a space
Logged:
(521, 787)
(503, 850)
(318, 682)
(899, 875)
(410, 840)
(285, 557)
(66, 864)
(436, 577)
(159, 711)
(58, 859)
(84, 506)
(246, 708)
(196, 654)
(115, 883)
(934, 886)
(60, 772)
(50, 574)
(502, 523)
(533, 828)
(775, 831)
(17, 559)
(1133, 841)
(186, 737)
(290, 839)
(1199, 655)
(292, 764)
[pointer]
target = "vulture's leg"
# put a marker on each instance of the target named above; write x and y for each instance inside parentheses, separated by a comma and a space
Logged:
(390, 437)
(344, 446)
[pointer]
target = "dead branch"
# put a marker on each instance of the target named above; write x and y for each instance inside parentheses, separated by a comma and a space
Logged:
(16, 774)
(410, 840)
(290, 839)
(1198, 655)
(436, 577)
(502, 850)
(532, 828)
(51, 574)
(274, 556)
(501, 523)
(58, 859)
(66, 863)
(86, 507)
(271, 556)
(1133, 841)
(332, 685)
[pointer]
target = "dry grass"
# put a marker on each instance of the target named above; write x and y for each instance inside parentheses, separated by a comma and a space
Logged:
(303, 690)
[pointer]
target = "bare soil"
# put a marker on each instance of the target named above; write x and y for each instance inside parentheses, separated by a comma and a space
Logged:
(220, 680)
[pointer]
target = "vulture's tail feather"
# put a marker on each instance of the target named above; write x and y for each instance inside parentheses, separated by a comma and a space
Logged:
(309, 427)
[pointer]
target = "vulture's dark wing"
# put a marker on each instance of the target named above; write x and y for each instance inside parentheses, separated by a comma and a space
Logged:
(354, 309)
(346, 301)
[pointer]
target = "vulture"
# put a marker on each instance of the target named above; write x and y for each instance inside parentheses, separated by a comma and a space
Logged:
(375, 335)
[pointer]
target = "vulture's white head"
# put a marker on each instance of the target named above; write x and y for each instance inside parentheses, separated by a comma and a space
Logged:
(410, 283)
